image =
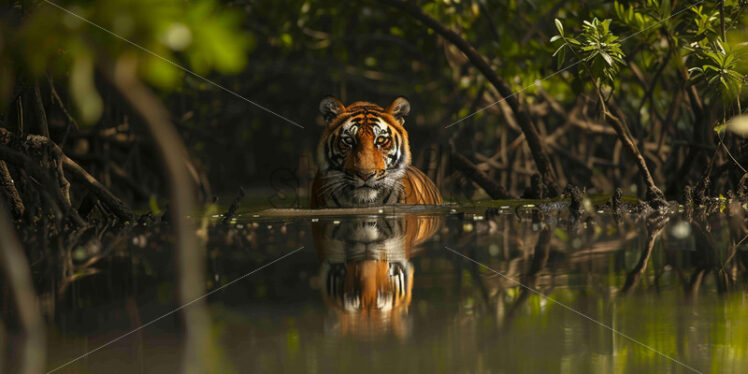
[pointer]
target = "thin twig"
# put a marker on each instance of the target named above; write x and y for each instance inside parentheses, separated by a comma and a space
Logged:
(539, 153)
(43, 125)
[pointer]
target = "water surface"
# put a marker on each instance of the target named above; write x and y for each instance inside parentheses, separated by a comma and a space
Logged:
(517, 290)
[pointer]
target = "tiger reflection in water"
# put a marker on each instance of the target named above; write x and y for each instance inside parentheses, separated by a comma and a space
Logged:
(366, 274)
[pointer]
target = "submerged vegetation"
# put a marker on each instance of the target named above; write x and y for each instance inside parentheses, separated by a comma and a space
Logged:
(122, 123)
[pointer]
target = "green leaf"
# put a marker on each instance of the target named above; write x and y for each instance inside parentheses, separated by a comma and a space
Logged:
(561, 57)
(153, 205)
(559, 26)
(735, 74)
(607, 58)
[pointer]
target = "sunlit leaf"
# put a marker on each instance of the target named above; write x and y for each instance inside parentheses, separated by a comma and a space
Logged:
(153, 205)
(738, 125)
(561, 57)
(607, 58)
(559, 27)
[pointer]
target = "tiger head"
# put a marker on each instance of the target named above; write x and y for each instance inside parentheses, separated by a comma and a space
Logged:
(364, 151)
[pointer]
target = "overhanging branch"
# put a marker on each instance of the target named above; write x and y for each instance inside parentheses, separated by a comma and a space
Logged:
(539, 153)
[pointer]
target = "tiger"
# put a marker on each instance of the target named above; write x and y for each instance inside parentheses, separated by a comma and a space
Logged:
(366, 274)
(364, 158)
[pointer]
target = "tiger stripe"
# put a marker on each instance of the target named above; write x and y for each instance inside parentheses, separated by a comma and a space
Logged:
(364, 158)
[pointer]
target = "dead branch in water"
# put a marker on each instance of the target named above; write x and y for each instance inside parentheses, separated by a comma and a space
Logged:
(63, 165)
(234, 205)
(46, 185)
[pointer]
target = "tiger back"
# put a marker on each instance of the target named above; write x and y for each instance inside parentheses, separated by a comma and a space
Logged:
(364, 158)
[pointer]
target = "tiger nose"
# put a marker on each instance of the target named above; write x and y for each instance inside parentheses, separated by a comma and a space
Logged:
(365, 175)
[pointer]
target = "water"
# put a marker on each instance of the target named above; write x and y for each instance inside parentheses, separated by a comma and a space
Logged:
(426, 293)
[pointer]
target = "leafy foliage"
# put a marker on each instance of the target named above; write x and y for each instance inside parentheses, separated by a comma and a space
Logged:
(596, 46)
(718, 70)
(159, 34)
(651, 56)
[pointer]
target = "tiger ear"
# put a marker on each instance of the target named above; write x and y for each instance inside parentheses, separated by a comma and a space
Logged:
(330, 107)
(400, 108)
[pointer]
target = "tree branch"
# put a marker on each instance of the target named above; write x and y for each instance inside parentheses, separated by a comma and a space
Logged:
(10, 191)
(467, 167)
(43, 126)
(526, 124)
(62, 194)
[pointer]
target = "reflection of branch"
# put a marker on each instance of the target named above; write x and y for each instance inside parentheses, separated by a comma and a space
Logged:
(190, 253)
(733, 251)
(16, 269)
(711, 262)
(473, 270)
(695, 282)
(633, 276)
(528, 127)
(529, 281)
(601, 248)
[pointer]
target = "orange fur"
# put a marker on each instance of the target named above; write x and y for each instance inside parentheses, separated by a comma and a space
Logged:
(366, 157)
(367, 273)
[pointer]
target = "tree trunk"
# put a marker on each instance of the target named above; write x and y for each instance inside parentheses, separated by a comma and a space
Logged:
(190, 252)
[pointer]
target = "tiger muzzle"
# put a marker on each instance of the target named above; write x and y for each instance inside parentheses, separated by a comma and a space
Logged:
(365, 175)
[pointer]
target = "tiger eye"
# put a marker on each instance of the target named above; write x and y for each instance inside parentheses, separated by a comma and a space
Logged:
(346, 141)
